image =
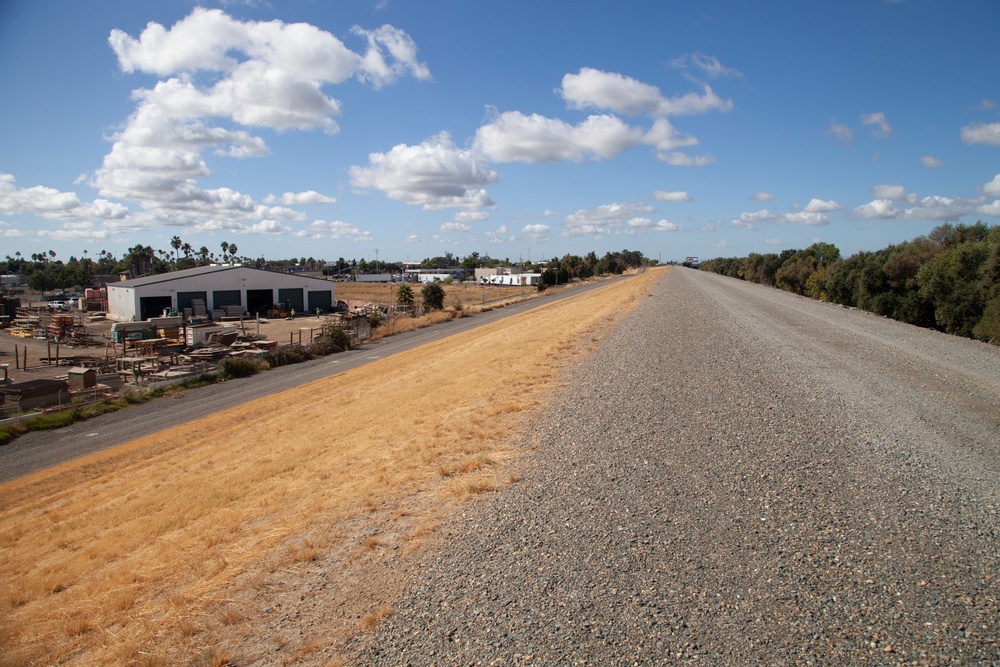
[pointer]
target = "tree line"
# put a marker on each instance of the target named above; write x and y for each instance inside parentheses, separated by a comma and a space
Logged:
(948, 280)
(44, 272)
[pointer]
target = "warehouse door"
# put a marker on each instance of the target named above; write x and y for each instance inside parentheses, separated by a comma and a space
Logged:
(153, 306)
(187, 299)
(291, 299)
(259, 301)
(322, 299)
(223, 298)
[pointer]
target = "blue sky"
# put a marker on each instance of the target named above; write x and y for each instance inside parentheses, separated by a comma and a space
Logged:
(515, 129)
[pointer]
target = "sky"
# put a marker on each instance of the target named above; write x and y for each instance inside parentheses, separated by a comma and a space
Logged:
(400, 130)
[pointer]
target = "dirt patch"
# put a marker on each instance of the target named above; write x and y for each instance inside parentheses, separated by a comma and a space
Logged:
(278, 532)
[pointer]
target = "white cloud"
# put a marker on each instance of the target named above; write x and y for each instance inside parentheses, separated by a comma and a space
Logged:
(841, 131)
(892, 192)
(536, 232)
(992, 189)
(709, 65)
(774, 242)
(677, 196)
(300, 198)
(880, 209)
(54, 204)
(37, 199)
(987, 134)
(990, 209)
(471, 216)
(591, 88)
(435, 175)
(877, 122)
(749, 220)
(338, 230)
(762, 196)
(931, 162)
(804, 217)
(83, 231)
(268, 227)
(820, 206)
(935, 207)
(257, 74)
(516, 137)
(454, 227)
(603, 220)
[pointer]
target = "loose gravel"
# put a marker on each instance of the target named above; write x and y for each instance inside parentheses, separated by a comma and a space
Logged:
(735, 476)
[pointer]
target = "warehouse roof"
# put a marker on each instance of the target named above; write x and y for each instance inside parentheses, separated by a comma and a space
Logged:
(200, 271)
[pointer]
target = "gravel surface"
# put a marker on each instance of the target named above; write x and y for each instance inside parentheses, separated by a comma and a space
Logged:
(735, 476)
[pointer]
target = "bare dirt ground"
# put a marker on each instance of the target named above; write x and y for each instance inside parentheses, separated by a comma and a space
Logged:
(95, 331)
(277, 532)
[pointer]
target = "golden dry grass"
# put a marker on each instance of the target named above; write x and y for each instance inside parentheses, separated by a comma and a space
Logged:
(462, 294)
(142, 554)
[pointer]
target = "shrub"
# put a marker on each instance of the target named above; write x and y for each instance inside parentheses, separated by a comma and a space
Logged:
(241, 367)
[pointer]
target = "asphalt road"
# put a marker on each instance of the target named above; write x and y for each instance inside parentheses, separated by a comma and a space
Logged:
(39, 450)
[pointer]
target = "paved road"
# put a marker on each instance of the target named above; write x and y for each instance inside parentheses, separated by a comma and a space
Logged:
(39, 450)
(736, 476)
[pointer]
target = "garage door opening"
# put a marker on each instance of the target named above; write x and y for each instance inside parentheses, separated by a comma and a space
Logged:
(153, 306)
(259, 301)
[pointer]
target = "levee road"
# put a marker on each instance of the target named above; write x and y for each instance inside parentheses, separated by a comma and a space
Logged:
(735, 476)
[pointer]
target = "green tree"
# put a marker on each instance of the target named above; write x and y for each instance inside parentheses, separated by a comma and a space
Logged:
(433, 296)
(404, 296)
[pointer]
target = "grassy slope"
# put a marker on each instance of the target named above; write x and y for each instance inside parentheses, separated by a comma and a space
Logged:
(141, 553)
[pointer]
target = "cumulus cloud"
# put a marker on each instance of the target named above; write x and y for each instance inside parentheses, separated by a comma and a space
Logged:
(750, 219)
(804, 217)
(536, 232)
(81, 231)
(877, 123)
(454, 227)
(515, 137)
(603, 220)
(984, 133)
(645, 224)
(992, 189)
(300, 198)
(338, 231)
(762, 196)
(54, 204)
(931, 162)
(911, 207)
(677, 196)
(434, 174)
(592, 88)
(265, 74)
(891, 192)
(820, 206)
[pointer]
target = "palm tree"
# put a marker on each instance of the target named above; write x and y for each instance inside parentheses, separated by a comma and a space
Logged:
(176, 244)
(225, 249)
(187, 249)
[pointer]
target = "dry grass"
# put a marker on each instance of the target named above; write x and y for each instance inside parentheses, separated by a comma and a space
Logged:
(131, 556)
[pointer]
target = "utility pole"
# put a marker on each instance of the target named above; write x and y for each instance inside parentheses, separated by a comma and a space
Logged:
(376, 260)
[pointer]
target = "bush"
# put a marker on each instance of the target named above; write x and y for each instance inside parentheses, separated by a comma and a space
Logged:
(433, 295)
(241, 367)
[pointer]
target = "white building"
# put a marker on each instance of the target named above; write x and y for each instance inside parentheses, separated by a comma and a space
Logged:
(217, 287)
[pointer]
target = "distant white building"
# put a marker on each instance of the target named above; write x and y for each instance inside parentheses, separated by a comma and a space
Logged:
(507, 276)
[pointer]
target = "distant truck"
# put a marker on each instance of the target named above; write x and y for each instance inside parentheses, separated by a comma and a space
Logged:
(691, 262)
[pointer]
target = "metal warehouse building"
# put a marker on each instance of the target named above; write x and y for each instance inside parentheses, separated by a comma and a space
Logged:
(217, 286)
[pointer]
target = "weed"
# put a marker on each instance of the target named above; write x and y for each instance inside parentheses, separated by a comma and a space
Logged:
(369, 621)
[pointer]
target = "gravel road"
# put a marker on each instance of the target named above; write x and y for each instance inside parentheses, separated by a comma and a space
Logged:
(737, 476)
